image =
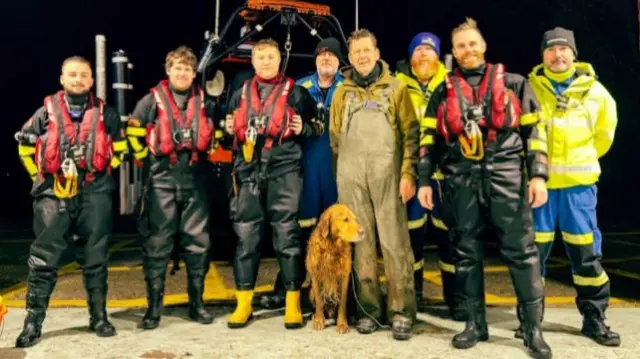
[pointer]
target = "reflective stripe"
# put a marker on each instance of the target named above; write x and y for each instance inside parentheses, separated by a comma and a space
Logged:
(529, 119)
(426, 140)
(428, 122)
(26, 150)
(446, 267)
(135, 144)
(578, 239)
(418, 265)
(573, 122)
(141, 154)
(115, 162)
(306, 223)
(136, 131)
(29, 164)
(219, 134)
(307, 84)
(119, 146)
(592, 167)
(417, 223)
(598, 281)
(537, 145)
(438, 223)
(544, 237)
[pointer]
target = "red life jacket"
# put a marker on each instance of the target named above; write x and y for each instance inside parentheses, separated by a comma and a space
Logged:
(171, 132)
(270, 119)
(501, 108)
(62, 135)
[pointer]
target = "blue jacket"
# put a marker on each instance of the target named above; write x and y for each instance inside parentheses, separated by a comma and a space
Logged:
(312, 145)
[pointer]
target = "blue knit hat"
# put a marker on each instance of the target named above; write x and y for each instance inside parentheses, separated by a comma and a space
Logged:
(425, 38)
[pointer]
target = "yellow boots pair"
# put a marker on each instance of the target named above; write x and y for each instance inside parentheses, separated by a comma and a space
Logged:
(244, 310)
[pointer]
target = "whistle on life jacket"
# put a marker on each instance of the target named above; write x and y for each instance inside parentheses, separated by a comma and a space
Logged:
(67, 188)
(471, 143)
(250, 143)
(3, 310)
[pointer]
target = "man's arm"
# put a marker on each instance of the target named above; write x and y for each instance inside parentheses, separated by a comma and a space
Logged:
(409, 132)
(427, 160)
(606, 123)
(115, 129)
(532, 127)
(335, 118)
(304, 105)
(35, 127)
(136, 132)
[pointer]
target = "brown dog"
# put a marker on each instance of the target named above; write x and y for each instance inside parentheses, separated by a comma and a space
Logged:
(328, 263)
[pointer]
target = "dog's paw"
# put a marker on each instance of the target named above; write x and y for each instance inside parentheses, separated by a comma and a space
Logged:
(318, 322)
(342, 328)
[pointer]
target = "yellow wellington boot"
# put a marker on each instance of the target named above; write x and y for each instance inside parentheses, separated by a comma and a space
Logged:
(244, 310)
(292, 311)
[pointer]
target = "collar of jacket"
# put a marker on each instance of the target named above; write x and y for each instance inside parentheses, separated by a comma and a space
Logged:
(385, 77)
(585, 77)
(404, 73)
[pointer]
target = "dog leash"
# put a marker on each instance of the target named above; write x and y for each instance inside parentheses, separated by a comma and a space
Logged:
(355, 295)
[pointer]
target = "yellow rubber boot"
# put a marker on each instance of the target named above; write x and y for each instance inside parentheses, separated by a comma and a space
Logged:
(292, 311)
(244, 310)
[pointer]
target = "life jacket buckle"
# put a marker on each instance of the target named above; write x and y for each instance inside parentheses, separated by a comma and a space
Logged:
(182, 136)
(474, 113)
(76, 153)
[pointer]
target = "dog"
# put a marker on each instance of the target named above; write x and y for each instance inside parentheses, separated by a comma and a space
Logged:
(328, 263)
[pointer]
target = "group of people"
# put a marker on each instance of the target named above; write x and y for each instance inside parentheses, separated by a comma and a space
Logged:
(479, 148)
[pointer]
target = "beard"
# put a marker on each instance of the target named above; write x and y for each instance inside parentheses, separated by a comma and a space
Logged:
(424, 69)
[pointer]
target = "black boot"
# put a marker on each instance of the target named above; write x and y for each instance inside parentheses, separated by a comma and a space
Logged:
(36, 312)
(99, 322)
(366, 325)
(401, 328)
(593, 327)
(476, 328)
(275, 300)
(519, 334)
(155, 273)
(195, 287)
(532, 314)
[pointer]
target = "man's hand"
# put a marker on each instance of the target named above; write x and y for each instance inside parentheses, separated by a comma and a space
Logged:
(407, 189)
(296, 124)
(228, 125)
(537, 192)
(425, 196)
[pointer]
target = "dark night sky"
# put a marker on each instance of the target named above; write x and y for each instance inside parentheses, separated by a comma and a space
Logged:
(38, 35)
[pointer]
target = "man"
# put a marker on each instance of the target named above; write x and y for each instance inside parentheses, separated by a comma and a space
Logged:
(374, 135)
(582, 119)
(319, 189)
(268, 116)
(69, 147)
(170, 130)
(485, 118)
(423, 73)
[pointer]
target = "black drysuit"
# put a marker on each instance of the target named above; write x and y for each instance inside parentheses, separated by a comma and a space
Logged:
(87, 215)
(490, 191)
(269, 187)
(176, 205)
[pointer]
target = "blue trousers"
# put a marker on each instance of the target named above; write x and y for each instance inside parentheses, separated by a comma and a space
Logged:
(573, 211)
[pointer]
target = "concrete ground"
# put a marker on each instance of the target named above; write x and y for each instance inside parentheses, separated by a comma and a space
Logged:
(66, 332)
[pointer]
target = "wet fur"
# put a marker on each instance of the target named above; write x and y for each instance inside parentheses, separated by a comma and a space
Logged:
(329, 264)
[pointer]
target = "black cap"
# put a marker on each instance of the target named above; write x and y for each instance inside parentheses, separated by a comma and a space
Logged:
(559, 36)
(329, 44)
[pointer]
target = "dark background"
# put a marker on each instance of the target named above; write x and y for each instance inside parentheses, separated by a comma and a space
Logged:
(38, 35)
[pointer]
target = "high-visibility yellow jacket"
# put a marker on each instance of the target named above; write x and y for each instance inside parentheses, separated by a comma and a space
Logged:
(420, 98)
(580, 132)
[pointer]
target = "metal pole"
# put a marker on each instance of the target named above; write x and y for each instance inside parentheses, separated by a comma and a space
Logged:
(357, 14)
(101, 67)
(217, 16)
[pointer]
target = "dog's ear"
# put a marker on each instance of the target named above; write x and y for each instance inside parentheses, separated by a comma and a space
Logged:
(324, 225)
